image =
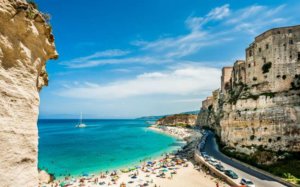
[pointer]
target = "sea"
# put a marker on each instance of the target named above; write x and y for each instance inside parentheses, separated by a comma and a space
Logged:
(103, 145)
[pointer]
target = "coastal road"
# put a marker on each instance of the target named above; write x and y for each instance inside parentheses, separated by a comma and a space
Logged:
(259, 179)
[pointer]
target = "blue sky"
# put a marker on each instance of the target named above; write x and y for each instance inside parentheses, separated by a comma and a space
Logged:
(131, 58)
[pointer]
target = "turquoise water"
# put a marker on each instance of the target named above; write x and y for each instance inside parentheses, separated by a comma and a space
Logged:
(103, 145)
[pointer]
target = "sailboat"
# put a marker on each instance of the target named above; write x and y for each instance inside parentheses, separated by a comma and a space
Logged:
(81, 125)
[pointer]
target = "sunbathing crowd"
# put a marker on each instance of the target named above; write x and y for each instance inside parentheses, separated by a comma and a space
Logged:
(141, 176)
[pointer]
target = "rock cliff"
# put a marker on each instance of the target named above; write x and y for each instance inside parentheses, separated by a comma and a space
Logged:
(257, 107)
(26, 43)
(183, 120)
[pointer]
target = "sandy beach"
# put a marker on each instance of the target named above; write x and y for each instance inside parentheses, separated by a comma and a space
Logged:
(177, 175)
(177, 132)
(167, 171)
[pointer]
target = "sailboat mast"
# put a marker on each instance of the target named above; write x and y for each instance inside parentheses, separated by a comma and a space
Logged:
(81, 118)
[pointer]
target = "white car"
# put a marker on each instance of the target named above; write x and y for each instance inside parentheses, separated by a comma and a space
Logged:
(247, 182)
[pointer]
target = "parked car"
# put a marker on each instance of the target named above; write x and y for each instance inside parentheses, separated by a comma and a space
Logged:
(203, 154)
(231, 174)
(213, 161)
(206, 158)
(220, 167)
(247, 182)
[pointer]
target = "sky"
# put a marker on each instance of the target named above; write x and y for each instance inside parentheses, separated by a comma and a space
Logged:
(132, 58)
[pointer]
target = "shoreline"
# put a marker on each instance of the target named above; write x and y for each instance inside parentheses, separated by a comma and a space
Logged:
(179, 169)
(177, 132)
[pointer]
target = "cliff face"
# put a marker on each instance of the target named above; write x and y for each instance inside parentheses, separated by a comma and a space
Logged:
(183, 120)
(26, 43)
(258, 105)
(269, 122)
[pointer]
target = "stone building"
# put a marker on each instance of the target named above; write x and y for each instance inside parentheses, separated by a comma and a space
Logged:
(273, 59)
(225, 78)
(238, 75)
(258, 105)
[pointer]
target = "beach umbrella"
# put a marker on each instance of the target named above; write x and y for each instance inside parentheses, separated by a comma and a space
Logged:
(149, 162)
(85, 175)
(164, 170)
(63, 183)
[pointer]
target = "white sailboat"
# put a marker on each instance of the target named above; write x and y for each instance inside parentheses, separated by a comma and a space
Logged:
(81, 125)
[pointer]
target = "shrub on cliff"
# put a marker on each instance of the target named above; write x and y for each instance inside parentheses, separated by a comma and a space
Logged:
(32, 3)
(295, 84)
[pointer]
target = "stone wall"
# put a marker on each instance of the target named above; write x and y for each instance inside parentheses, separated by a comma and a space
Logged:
(26, 43)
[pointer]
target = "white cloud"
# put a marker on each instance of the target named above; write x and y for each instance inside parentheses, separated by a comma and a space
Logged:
(255, 18)
(190, 43)
(94, 58)
(219, 12)
(128, 60)
(178, 81)
(227, 24)
(190, 100)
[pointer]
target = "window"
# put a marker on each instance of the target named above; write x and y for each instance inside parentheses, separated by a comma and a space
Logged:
(291, 42)
(278, 32)
(284, 45)
(283, 77)
(267, 46)
(249, 65)
(298, 55)
(250, 52)
(259, 49)
(264, 59)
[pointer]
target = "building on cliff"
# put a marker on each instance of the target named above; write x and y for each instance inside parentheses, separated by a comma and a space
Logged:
(226, 78)
(258, 103)
(272, 60)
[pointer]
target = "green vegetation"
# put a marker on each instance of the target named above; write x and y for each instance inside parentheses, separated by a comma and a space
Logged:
(235, 94)
(47, 17)
(266, 67)
(184, 125)
(32, 3)
(255, 97)
(295, 85)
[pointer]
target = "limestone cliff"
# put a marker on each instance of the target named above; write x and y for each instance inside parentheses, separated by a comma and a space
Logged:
(26, 43)
(184, 120)
(258, 104)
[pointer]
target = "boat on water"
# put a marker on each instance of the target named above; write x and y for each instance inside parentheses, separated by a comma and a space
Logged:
(81, 125)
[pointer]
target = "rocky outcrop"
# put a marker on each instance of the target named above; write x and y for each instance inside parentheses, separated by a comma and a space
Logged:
(44, 177)
(183, 120)
(26, 43)
(258, 106)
